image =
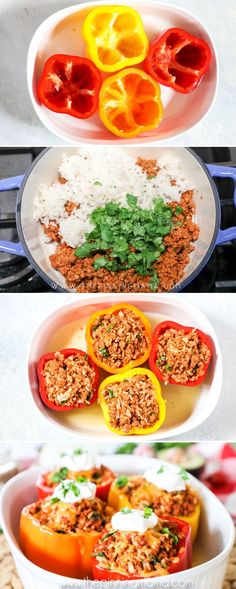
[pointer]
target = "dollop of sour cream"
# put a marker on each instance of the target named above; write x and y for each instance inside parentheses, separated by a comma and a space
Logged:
(71, 491)
(77, 461)
(167, 478)
(134, 520)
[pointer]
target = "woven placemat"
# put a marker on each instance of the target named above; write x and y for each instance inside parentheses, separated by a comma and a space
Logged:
(10, 580)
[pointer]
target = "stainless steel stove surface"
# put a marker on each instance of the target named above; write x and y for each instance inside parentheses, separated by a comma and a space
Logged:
(16, 274)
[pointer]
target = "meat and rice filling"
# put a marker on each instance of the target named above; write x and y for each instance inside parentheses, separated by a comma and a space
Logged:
(69, 381)
(132, 403)
(119, 338)
(69, 518)
(97, 475)
(181, 356)
(176, 503)
(132, 553)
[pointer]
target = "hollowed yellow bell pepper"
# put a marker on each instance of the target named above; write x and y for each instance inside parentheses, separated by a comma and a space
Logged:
(126, 375)
(63, 554)
(115, 37)
(118, 499)
(114, 310)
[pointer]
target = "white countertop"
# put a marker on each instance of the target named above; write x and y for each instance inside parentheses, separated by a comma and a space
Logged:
(19, 124)
(20, 314)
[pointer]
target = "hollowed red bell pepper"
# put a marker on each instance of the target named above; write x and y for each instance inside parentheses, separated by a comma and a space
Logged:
(184, 562)
(178, 59)
(158, 331)
(42, 384)
(70, 85)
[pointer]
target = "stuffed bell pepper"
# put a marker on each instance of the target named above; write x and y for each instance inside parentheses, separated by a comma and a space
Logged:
(68, 379)
(115, 37)
(139, 545)
(77, 466)
(118, 338)
(178, 59)
(59, 533)
(132, 402)
(180, 355)
(165, 489)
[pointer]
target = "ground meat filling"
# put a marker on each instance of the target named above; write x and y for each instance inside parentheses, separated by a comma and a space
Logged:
(181, 356)
(69, 381)
(132, 553)
(132, 403)
(97, 475)
(119, 338)
(69, 518)
(80, 274)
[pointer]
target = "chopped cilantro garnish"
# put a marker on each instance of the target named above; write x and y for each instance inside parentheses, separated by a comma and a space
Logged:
(54, 500)
(102, 554)
(184, 475)
(151, 176)
(126, 510)
(178, 210)
(60, 475)
(110, 393)
(168, 367)
(108, 535)
(121, 481)
(78, 452)
(97, 183)
(128, 237)
(81, 479)
(161, 470)
(147, 512)
(104, 352)
(173, 536)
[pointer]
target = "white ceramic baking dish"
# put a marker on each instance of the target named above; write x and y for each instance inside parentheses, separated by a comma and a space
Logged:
(61, 33)
(187, 407)
(211, 551)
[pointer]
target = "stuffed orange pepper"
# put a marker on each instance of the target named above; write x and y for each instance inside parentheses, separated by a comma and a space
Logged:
(59, 533)
(132, 402)
(165, 488)
(118, 338)
(115, 37)
(139, 545)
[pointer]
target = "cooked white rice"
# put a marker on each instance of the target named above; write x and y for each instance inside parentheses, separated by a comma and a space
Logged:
(97, 176)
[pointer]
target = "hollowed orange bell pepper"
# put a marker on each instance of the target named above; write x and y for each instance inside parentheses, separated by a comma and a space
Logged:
(89, 337)
(126, 375)
(63, 554)
(118, 499)
(130, 103)
(115, 37)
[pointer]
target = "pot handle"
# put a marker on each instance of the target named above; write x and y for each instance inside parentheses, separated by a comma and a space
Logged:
(218, 171)
(10, 247)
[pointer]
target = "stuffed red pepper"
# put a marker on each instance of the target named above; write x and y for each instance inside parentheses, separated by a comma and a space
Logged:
(68, 379)
(137, 545)
(180, 354)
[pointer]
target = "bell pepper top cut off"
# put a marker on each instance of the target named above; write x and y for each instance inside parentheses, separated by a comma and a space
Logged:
(130, 103)
(178, 59)
(115, 37)
(70, 85)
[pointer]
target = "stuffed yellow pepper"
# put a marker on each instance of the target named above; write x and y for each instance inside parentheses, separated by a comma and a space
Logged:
(118, 338)
(165, 489)
(132, 402)
(115, 37)
(59, 533)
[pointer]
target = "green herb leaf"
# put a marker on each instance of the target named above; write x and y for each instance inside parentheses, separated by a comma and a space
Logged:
(168, 367)
(184, 475)
(131, 200)
(147, 512)
(151, 177)
(102, 554)
(99, 263)
(154, 282)
(121, 481)
(104, 353)
(171, 535)
(81, 479)
(60, 475)
(178, 210)
(78, 452)
(161, 470)
(126, 510)
(108, 535)
(54, 500)
(97, 183)
(110, 393)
